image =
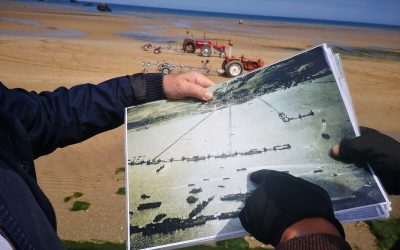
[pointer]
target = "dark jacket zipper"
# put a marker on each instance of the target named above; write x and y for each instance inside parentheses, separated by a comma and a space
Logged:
(5, 236)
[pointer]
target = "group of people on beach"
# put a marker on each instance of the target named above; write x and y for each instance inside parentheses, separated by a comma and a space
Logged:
(285, 211)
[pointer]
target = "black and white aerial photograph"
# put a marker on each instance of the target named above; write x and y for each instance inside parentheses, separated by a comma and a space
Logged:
(188, 161)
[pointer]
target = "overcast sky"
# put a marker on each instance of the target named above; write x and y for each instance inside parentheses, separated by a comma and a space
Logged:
(367, 11)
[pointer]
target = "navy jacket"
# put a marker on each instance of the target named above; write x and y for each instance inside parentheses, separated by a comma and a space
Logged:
(32, 125)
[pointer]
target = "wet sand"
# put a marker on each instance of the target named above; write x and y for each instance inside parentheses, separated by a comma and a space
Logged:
(46, 61)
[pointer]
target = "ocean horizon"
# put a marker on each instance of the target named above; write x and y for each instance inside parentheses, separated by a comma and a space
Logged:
(134, 9)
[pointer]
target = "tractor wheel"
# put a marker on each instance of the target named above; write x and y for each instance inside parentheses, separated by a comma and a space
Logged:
(148, 46)
(157, 51)
(224, 64)
(166, 71)
(233, 68)
(189, 46)
(205, 51)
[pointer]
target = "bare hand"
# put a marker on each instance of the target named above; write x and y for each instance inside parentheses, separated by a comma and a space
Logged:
(190, 84)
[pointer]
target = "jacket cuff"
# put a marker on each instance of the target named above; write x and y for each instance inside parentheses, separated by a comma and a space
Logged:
(147, 87)
(315, 242)
(154, 86)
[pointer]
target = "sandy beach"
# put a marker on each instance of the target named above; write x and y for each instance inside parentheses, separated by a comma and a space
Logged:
(43, 47)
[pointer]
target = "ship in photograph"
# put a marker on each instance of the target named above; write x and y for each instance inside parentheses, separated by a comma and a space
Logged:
(192, 158)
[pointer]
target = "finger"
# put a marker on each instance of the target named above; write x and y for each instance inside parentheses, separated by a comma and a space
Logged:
(258, 176)
(366, 131)
(376, 148)
(249, 216)
(355, 149)
(196, 91)
(204, 81)
(351, 144)
(335, 150)
(373, 145)
(199, 79)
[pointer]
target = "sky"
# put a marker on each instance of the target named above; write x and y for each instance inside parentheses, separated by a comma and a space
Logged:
(365, 11)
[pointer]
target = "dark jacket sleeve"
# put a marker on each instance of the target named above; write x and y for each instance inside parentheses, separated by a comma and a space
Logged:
(67, 116)
(315, 242)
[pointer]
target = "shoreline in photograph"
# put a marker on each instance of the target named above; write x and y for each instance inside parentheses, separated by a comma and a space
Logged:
(47, 60)
(265, 118)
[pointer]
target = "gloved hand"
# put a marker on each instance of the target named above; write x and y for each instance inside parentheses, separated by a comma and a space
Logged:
(279, 201)
(380, 151)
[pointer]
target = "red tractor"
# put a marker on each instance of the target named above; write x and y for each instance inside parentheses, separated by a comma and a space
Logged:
(233, 66)
(206, 46)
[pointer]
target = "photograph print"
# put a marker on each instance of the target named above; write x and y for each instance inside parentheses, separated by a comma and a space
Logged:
(188, 161)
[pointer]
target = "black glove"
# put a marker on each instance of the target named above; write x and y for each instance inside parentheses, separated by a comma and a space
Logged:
(279, 201)
(380, 151)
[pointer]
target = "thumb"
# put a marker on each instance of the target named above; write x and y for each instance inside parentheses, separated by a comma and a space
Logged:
(372, 145)
(366, 131)
(355, 149)
(258, 176)
(199, 92)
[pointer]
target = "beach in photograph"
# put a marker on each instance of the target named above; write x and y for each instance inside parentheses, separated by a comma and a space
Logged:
(44, 46)
(187, 177)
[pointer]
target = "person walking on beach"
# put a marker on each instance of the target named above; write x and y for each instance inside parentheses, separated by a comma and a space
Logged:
(33, 125)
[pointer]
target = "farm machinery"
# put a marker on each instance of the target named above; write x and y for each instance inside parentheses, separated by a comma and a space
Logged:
(167, 68)
(206, 46)
(232, 66)
(158, 49)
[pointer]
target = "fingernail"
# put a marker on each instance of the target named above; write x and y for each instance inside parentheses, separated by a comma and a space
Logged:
(335, 150)
(207, 96)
